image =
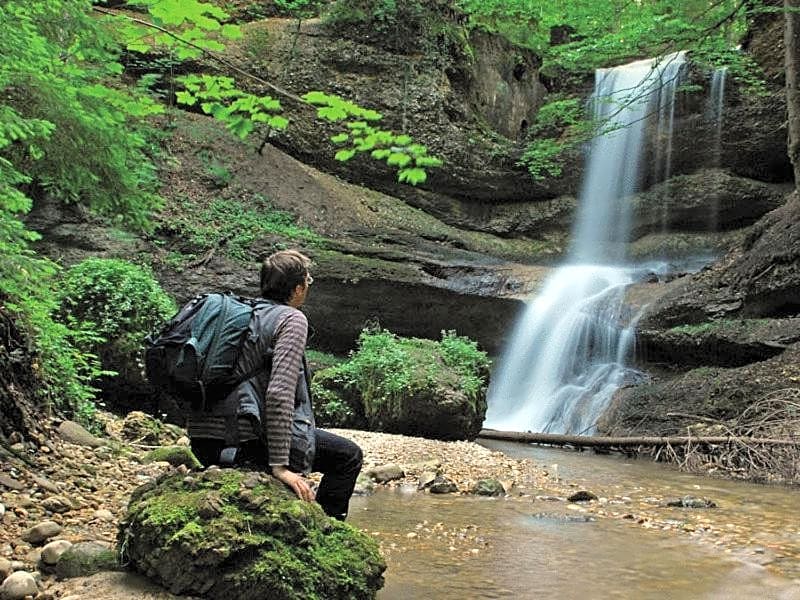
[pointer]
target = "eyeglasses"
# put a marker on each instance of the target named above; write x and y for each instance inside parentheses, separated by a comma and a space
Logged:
(309, 279)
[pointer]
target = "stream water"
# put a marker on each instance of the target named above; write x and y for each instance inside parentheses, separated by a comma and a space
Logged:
(459, 547)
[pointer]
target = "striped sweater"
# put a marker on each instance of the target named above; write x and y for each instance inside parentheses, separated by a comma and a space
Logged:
(289, 338)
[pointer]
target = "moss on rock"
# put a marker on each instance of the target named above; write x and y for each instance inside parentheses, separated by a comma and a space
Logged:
(174, 455)
(412, 386)
(226, 534)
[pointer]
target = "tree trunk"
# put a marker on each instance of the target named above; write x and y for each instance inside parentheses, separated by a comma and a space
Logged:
(585, 441)
(792, 59)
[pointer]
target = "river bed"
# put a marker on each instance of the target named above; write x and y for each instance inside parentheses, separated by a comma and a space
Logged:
(627, 545)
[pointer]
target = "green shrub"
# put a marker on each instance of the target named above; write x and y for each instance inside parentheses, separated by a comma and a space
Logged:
(120, 301)
(409, 385)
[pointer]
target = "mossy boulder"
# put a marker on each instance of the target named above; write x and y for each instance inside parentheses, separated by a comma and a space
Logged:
(413, 386)
(226, 534)
(86, 558)
(174, 455)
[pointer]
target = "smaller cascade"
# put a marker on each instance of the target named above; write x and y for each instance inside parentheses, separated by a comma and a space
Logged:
(713, 114)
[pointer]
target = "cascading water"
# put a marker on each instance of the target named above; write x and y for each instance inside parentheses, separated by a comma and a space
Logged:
(568, 353)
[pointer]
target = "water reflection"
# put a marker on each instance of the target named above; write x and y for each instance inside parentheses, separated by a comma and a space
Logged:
(451, 547)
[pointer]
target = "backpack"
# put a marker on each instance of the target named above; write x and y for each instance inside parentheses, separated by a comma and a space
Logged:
(194, 356)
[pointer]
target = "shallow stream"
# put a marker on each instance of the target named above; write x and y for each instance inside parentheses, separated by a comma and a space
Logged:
(628, 545)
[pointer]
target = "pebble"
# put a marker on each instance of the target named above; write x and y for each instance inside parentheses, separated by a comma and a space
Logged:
(18, 585)
(5, 568)
(53, 551)
(41, 532)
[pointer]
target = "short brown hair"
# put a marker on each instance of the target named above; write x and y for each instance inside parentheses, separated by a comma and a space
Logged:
(281, 272)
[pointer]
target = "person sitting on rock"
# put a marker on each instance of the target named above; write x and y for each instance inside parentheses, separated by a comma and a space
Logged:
(275, 421)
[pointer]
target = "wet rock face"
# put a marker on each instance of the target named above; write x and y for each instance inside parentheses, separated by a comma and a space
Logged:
(759, 279)
(708, 200)
(262, 542)
(667, 407)
(723, 343)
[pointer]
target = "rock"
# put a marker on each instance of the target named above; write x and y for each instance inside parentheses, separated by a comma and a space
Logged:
(364, 485)
(707, 199)
(53, 551)
(5, 568)
(104, 514)
(183, 441)
(717, 393)
(57, 504)
(141, 428)
(439, 399)
(174, 455)
(103, 452)
(386, 473)
(46, 485)
(442, 485)
(18, 585)
(488, 487)
(2, 510)
(11, 483)
(41, 532)
(691, 502)
(426, 479)
(582, 496)
(86, 558)
(275, 551)
(75, 433)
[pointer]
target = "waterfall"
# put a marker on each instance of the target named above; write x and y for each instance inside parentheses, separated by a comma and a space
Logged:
(568, 353)
(713, 115)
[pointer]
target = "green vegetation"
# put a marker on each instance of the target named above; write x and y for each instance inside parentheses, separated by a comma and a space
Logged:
(234, 226)
(119, 302)
(408, 385)
(248, 533)
(721, 326)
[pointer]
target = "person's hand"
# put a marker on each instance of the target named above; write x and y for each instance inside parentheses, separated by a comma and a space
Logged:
(296, 482)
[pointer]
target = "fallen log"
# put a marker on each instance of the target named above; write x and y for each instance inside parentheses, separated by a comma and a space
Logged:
(588, 441)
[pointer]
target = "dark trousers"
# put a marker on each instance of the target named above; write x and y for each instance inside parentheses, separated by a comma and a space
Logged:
(337, 458)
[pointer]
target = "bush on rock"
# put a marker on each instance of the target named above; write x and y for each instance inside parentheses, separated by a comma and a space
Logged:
(412, 386)
(231, 535)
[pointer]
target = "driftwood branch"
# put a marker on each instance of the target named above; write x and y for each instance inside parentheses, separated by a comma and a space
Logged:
(585, 441)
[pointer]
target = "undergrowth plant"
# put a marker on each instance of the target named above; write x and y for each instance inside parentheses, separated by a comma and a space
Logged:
(234, 226)
(120, 301)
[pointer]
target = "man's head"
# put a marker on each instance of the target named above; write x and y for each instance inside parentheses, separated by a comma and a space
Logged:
(285, 277)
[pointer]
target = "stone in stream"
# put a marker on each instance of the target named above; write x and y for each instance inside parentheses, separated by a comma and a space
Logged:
(582, 496)
(18, 585)
(691, 502)
(442, 485)
(488, 487)
(386, 473)
(41, 532)
(426, 479)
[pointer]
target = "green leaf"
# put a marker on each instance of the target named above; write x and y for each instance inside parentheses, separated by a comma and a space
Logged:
(278, 122)
(340, 138)
(412, 176)
(398, 159)
(316, 98)
(345, 155)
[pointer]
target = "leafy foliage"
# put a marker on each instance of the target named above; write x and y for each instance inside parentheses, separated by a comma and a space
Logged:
(236, 225)
(118, 300)
(239, 110)
(387, 367)
(180, 21)
(398, 150)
